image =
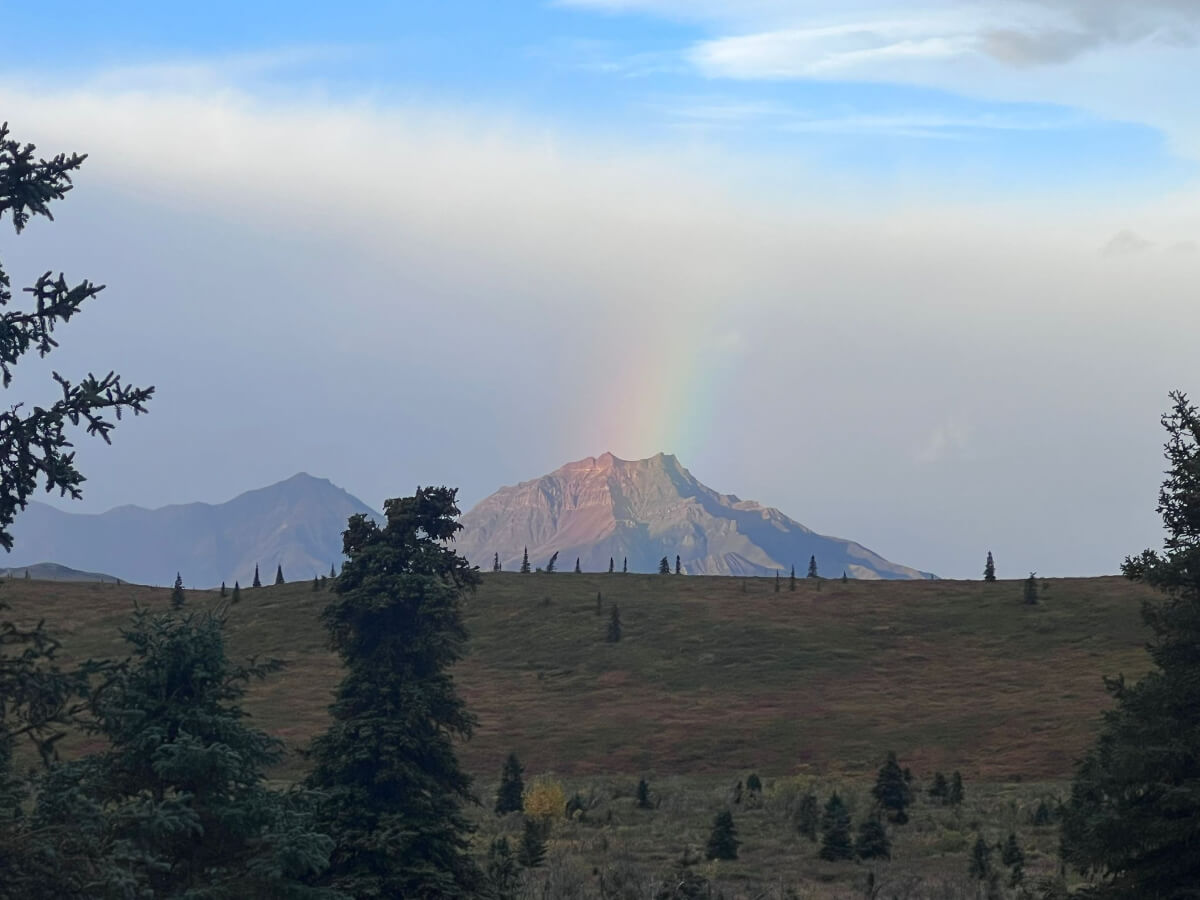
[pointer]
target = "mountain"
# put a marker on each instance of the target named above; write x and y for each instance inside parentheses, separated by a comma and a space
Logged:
(297, 523)
(646, 509)
(49, 571)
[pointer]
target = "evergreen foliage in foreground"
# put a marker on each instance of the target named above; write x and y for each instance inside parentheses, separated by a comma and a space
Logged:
(177, 806)
(872, 841)
(394, 790)
(1133, 818)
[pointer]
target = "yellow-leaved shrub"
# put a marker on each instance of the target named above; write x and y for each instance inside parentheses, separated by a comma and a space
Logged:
(544, 799)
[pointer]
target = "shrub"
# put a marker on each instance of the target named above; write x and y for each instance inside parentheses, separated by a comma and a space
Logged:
(545, 799)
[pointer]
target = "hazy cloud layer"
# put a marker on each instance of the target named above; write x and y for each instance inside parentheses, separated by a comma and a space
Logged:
(394, 296)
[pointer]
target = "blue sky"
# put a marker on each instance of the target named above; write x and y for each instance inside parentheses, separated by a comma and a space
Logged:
(882, 266)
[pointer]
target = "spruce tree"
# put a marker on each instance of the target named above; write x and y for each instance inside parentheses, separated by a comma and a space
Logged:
(940, 789)
(577, 569)
(512, 787)
(35, 440)
(625, 565)
(956, 794)
(844, 578)
(552, 561)
(257, 581)
(723, 842)
(386, 765)
(316, 585)
(177, 598)
(176, 805)
(236, 596)
(643, 795)
(332, 572)
(989, 568)
(502, 876)
(613, 634)
(1030, 592)
(610, 565)
(777, 581)
(678, 566)
(496, 568)
(525, 562)
(792, 579)
(808, 815)
(279, 574)
(1013, 857)
(980, 866)
(1132, 822)
(835, 831)
(872, 841)
(812, 567)
(891, 791)
(664, 567)
(532, 852)
(223, 592)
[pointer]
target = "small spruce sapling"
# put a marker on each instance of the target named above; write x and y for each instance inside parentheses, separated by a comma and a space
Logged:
(614, 626)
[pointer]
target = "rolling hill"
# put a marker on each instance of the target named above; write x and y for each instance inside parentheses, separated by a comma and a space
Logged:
(713, 675)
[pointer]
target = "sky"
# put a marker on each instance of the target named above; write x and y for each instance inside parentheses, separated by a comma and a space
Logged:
(918, 274)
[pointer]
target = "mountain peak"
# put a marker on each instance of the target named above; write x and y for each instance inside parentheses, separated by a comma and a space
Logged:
(605, 507)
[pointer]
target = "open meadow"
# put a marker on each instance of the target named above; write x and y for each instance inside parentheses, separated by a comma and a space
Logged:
(714, 679)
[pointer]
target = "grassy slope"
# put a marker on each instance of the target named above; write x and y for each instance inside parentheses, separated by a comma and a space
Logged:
(714, 675)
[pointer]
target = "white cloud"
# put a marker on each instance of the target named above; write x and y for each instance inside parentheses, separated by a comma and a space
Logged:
(1125, 243)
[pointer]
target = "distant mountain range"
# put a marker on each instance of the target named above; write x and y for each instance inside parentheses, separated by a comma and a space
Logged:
(593, 509)
(604, 507)
(296, 524)
(54, 572)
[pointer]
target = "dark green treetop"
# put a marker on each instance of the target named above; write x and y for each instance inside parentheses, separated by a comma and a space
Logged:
(1132, 822)
(386, 765)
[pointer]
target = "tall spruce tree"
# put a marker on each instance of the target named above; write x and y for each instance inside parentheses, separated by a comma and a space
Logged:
(577, 569)
(532, 851)
(610, 565)
(257, 581)
(386, 765)
(177, 598)
(332, 571)
(664, 567)
(552, 561)
(512, 787)
(236, 596)
(835, 831)
(812, 567)
(625, 566)
(496, 568)
(989, 568)
(1132, 822)
(279, 574)
(892, 791)
(525, 562)
(792, 579)
(980, 865)
(678, 565)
